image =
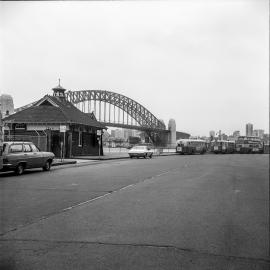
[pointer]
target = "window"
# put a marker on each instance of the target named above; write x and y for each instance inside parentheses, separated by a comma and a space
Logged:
(16, 148)
(80, 138)
(27, 148)
(34, 148)
(20, 126)
(4, 147)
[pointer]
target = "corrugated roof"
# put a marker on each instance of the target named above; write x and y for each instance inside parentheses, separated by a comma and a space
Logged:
(64, 112)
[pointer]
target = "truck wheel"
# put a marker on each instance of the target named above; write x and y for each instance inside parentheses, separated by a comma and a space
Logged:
(47, 166)
(19, 169)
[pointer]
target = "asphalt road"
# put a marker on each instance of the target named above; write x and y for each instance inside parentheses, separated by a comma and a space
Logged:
(174, 212)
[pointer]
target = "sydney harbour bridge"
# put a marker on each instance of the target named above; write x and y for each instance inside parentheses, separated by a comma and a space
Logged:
(116, 110)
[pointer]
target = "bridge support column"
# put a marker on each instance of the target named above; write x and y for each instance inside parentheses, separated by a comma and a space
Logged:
(172, 133)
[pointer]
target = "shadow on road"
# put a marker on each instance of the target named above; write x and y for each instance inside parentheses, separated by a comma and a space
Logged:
(27, 172)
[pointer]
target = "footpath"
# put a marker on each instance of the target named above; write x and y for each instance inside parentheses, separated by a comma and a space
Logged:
(107, 156)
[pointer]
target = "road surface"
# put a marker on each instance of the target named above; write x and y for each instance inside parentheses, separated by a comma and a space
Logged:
(174, 212)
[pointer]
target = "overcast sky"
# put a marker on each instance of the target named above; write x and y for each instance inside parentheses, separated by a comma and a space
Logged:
(203, 63)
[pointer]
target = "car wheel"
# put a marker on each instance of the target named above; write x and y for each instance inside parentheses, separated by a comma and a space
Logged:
(19, 169)
(47, 166)
(130, 156)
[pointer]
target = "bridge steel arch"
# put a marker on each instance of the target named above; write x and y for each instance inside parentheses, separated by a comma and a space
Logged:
(135, 110)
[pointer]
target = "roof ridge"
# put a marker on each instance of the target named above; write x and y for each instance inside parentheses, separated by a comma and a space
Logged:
(63, 112)
(60, 103)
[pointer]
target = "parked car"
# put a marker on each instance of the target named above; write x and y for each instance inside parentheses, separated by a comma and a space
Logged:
(140, 151)
(18, 156)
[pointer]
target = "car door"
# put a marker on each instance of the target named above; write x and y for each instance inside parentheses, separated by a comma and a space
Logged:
(16, 154)
(28, 154)
(37, 156)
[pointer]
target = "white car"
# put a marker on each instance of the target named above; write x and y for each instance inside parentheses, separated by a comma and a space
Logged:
(140, 151)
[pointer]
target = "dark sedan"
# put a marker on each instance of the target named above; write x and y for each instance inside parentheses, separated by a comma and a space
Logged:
(18, 156)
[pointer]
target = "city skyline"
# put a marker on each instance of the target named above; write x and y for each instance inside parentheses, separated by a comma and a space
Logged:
(7, 107)
(214, 133)
(188, 62)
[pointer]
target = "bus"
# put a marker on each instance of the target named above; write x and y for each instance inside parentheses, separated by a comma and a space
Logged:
(190, 146)
(249, 145)
(1, 141)
(222, 147)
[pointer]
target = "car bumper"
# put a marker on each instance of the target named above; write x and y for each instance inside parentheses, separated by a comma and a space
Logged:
(7, 167)
(137, 155)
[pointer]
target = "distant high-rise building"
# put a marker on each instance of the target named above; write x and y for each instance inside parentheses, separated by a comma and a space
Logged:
(266, 138)
(223, 136)
(231, 138)
(119, 133)
(249, 129)
(219, 134)
(236, 134)
(113, 133)
(212, 133)
(6, 105)
(258, 133)
(127, 133)
(135, 133)
(1, 133)
(172, 134)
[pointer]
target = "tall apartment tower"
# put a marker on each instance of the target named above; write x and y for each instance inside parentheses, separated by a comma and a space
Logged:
(6, 105)
(249, 129)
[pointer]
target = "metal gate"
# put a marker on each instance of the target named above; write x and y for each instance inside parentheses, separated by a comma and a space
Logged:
(40, 140)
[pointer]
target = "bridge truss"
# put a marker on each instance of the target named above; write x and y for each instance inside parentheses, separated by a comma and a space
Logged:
(114, 109)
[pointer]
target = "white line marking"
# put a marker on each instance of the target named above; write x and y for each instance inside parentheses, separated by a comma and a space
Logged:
(91, 200)
(109, 193)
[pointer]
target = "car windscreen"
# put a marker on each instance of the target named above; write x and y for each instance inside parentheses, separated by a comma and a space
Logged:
(139, 147)
(34, 148)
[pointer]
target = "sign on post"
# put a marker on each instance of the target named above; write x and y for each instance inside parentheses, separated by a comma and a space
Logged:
(63, 128)
(99, 141)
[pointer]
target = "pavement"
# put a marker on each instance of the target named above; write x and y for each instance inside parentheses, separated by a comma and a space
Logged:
(107, 156)
(207, 212)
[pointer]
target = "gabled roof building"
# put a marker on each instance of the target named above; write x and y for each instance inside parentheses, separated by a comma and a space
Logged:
(57, 125)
